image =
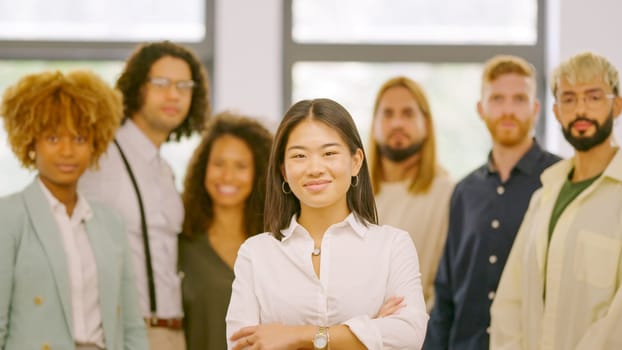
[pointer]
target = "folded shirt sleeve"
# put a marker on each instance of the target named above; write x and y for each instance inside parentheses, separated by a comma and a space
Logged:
(407, 327)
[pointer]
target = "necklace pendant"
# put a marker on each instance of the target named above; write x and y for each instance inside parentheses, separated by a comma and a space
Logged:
(316, 251)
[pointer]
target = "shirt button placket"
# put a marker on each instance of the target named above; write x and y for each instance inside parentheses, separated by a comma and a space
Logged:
(323, 304)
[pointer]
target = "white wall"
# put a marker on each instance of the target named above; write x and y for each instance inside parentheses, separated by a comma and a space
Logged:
(583, 26)
(593, 25)
(248, 58)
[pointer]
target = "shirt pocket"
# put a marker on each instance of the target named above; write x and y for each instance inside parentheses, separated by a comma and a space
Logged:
(596, 259)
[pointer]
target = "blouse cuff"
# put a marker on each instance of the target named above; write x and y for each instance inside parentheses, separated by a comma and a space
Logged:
(364, 329)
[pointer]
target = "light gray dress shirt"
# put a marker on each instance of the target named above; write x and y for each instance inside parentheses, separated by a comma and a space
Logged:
(164, 212)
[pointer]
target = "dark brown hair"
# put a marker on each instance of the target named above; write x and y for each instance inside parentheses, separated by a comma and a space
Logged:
(280, 206)
(199, 212)
(135, 76)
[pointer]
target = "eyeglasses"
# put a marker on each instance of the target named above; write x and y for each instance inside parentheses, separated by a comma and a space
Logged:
(162, 83)
(592, 100)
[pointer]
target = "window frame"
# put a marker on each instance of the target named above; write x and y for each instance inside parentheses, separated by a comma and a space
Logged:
(69, 50)
(294, 52)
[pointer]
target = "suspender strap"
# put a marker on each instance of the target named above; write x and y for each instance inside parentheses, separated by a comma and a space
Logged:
(143, 224)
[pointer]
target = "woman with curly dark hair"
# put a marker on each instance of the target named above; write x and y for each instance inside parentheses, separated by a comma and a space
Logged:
(223, 196)
(66, 275)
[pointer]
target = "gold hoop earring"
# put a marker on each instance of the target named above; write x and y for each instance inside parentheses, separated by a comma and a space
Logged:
(354, 181)
(283, 188)
(32, 155)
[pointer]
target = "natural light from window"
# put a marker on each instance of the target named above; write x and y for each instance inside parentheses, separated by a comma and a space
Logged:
(109, 20)
(452, 90)
(510, 22)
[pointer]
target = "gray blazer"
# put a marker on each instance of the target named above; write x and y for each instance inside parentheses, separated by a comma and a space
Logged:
(35, 300)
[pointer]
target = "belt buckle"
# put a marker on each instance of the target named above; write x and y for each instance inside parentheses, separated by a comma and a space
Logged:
(153, 320)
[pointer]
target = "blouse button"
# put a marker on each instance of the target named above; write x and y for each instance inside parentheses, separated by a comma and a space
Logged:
(494, 223)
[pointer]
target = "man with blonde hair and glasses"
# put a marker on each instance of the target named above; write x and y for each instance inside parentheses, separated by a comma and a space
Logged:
(487, 207)
(412, 191)
(561, 286)
(165, 97)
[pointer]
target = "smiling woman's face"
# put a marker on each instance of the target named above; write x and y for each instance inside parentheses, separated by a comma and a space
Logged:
(230, 172)
(319, 167)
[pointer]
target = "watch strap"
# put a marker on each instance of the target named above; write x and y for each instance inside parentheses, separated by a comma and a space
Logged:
(321, 332)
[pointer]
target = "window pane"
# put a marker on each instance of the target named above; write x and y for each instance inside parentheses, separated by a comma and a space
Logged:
(452, 90)
(178, 155)
(13, 178)
(415, 21)
(96, 20)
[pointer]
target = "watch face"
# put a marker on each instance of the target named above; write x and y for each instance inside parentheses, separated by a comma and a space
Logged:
(319, 341)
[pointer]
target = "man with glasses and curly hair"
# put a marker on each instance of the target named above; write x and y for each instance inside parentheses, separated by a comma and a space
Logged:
(165, 97)
(561, 286)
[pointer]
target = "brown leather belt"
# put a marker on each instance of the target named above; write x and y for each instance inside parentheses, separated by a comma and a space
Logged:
(172, 323)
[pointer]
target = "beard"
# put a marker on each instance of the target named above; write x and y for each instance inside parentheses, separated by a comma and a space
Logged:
(396, 154)
(585, 143)
(509, 138)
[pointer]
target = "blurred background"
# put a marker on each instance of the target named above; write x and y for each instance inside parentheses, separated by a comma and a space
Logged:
(263, 55)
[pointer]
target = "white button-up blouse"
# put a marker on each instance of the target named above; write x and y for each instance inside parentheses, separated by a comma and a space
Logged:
(361, 267)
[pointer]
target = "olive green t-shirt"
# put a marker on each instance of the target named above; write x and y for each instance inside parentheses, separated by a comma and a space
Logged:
(570, 190)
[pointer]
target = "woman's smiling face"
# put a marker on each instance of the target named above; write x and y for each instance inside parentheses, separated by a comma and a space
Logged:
(318, 166)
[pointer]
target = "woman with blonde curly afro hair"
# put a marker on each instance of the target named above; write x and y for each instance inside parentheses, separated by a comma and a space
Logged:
(66, 278)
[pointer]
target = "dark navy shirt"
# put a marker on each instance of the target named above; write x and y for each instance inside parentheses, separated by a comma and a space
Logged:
(484, 217)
